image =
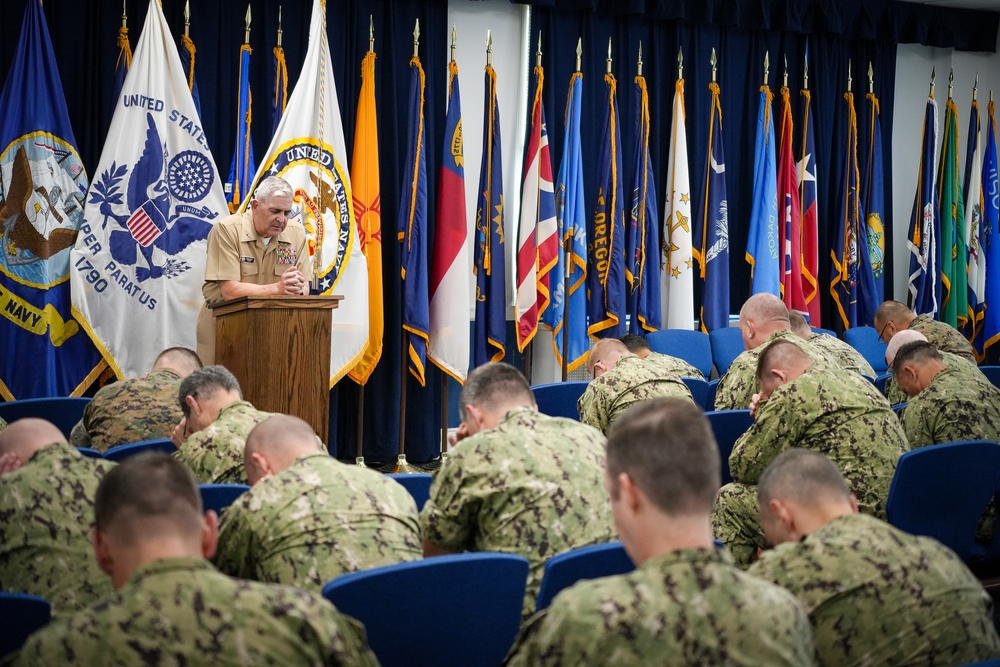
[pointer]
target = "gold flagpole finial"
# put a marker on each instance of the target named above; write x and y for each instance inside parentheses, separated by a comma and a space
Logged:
(714, 61)
(279, 26)
(124, 15)
(805, 71)
(246, 36)
(933, 76)
(489, 48)
(454, 41)
(538, 51)
(371, 33)
(871, 78)
(767, 65)
(416, 37)
(579, 52)
(639, 62)
(609, 55)
(187, 18)
(784, 76)
(850, 81)
(975, 87)
(951, 81)
(680, 63)
(991, 96)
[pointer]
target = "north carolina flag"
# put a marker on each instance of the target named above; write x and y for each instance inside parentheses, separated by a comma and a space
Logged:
(155, 160)
(791, 224)
(42, 189)
(187, 54)
(873, 208)
(242, 166)
(954, 270)
(606, 269)
(764, 242)
(368, 214)
(809, 235)
(974, 230)
(309, 152)
(922, 239)
(451, 265)
(412, 229)
(991, 239)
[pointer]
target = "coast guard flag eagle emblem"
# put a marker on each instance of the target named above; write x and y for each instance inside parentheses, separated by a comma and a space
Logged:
(139, 263)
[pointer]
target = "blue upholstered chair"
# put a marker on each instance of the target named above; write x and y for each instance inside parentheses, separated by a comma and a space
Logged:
(62, 411)
(693, 347)
(220, 496)
(699, 391)
(728, 426)
(457, 610)
(558, 399)
(727, 344)
(881, 381)
(124, 451)
(713, 387)
(418, 484)
(992, 374)
(866, 341)
(565, 569)
(21, 615)
(828, 332)
(90, 453)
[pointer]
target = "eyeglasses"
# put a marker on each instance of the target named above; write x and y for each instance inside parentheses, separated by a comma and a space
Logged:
(881, 333)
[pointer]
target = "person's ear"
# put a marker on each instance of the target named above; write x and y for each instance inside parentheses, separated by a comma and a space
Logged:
(262, 464)
(193, 405)
(209, 534)
(102, 551)
(627, 492)
(477, 415)
(783, 514)
(854, 504)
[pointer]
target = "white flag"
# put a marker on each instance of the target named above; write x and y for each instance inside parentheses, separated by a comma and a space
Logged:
(676, 273)
(140, 257)
(308, 150)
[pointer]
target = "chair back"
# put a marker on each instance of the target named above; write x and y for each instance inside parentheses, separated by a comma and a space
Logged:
(992, 374)
(699, 391)
(418, 484)
(881, 381)
(866, 341)
(90, 453)
(713, 387)
(62, 411)
(828, 332)
(220, 496)
(942, 490)
(728, 426)
(565, 569)
(22, 615)
(558, 399)
(899, 407)
(693, 347)
(727, 344)
(121, 452)
(463, 609)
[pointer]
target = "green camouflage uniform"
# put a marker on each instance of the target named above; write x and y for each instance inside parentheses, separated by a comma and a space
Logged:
(956, 405)
(215, 453)
(46, 511)
(678, 367)
(181, 611)
(3, 424)
(846, 357)
(879, 596)
(129, 411)
(533, 486)
(630, 381)
(895, 393)
(739, 384)
(828, 410)
(690, 607)
(316, 520)
(944, 337)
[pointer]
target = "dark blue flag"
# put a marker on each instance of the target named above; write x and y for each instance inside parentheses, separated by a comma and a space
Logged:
(990, 333)
(242, 167)
(642, 268)
(187, 52)
(924, 231)
(873, 200)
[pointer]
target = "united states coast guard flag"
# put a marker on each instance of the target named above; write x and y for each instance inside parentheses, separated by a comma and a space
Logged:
(138, 266)
(924, 288)
(41, 208)
(309, 152)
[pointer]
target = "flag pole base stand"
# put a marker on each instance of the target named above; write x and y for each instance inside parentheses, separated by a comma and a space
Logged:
(360, 462)
(403, 467)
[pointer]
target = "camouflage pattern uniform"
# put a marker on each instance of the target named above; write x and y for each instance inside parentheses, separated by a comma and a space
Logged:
(316, 520)
(879, 596)
(675, 365)
(846, 356)
(690, 607)
(46, 511)
(533, 486)
(630, 381)
(956, 405)
(896, 395)
(181, 611)
(215, 453)
(3, 424)
(943, 337)
(828, 410)
(129, 411)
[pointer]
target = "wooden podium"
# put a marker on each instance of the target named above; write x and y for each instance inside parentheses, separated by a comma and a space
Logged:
(278, 347)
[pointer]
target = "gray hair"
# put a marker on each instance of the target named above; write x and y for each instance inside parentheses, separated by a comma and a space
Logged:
(272, 186)
(204, 382)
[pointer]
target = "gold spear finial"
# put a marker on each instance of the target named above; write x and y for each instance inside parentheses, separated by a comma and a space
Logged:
(579, 52)
(489, 48)
(454, 41)
(850, 81)
(639, 63)
(680, 62)
(951, 81)
(124, 15)
(187, 18)
(871, 78)
(714, 61)
(784, 76)
(416, 37)
(805, 71)
(933, 76)
(609, 55)
(538, 51)
(767, 65)
(279, 26)
(246, 35)
(975, 87)
(371, 33)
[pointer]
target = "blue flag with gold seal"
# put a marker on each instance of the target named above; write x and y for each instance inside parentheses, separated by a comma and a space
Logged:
(45, 353)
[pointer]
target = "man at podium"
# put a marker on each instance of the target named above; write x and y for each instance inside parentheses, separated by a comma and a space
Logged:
(256, 253)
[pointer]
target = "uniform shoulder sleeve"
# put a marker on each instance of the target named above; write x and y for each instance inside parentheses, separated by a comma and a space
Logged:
(237, 541)
(223, 262)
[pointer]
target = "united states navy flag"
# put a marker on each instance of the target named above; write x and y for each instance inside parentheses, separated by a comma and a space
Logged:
(41, 207)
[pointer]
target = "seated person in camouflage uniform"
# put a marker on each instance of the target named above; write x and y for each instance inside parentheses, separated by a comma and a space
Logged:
(947, 403)
(893, 317)
(686, 603)
(638, 346)
(875, 595)
(211, 437)
(3, 424)
(847, 357)
(170, 606)
(309, 517)
(47, 493)
(815, 406)
(138, 409)
(893, 391)
(622, 379)
(518, 481)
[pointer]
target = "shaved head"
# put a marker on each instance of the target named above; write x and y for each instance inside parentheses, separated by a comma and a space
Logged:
(799, 325)
(891, 318)
(275, 443)
(180, 359)
(892, 310)
(780, 363)
(804, 477)
(607, 351)
(899, 340)
(24, 437)
(765, 307)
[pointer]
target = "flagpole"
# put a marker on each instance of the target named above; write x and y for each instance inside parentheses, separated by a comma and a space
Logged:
(567, 252)
(359, 459)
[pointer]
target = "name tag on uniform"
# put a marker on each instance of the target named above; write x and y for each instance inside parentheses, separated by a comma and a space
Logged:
(248, 260)
(285, 255)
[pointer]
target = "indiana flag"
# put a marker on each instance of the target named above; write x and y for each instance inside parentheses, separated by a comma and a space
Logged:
(567, 314)
(450, 291)
(763, 244)
(712, 228)
(991, 240)
(537, 242)
(809, 230)
(606, 269)
(642, 238)
(41, 210)
(242, 167)
(973, 189)
(412, 229)
(791, 223)
(489, 332)
(676, 265)
(954, 301)
(280, 88)
(309, 152)
(873, 207)
(155, 171)
(187, 54)
(368, 214)
(922, 239)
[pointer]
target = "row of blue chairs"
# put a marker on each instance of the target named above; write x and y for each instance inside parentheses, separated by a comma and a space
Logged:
(558, 399)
